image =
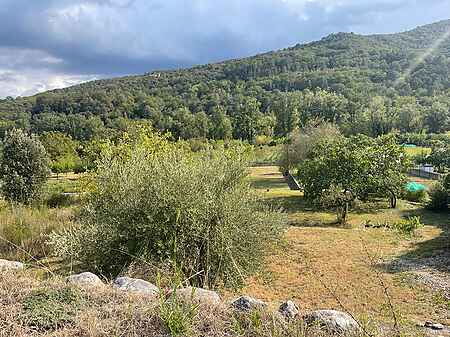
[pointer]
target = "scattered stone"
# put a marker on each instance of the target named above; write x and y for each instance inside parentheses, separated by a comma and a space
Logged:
(85, 279)
(10, 265)
(199, 295)
(289, 310)
(135, 285)
(247, 303)
(335, 321)
(433, 326)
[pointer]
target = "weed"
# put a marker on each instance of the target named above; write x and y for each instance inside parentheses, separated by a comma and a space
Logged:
(409, 226)
(177, 314)
(49, 309)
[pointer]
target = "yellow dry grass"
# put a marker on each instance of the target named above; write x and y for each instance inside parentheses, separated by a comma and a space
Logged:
(324, 266)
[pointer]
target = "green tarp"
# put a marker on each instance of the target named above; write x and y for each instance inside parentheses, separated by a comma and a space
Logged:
(415, 187)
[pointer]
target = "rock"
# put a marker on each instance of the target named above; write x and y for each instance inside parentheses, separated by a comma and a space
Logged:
(198, 295)
(335, 321)
(10, 265)
(289, 310)
(135, 285)
(85, 279)
(247, 303)
(433, 326)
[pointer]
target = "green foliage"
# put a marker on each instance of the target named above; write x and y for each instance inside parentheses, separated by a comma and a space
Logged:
(50, 309)
(23, 168)
(446, 182)
(62, 151)
(302, 142)
(196, 211)
(440, 157)
(357, 82)
(415, 196)
(408, 226)
(338, 198)
(439, 198)
(177, 314)
(58, 199)
(338, 171)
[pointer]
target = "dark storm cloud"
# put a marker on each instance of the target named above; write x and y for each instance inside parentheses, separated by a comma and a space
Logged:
(71, 40)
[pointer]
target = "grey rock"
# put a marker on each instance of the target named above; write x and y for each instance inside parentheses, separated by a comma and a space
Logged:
(85, 279)
(289, 310)
(199, 295)
(247, 303)
(135, 285)
(333, 320)
(10, 265)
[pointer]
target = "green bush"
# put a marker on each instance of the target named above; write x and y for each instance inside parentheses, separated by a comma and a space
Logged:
(59, 199)
(24, 167)
(408, 226)
(415, 196)
(439, 198)
(194, 211)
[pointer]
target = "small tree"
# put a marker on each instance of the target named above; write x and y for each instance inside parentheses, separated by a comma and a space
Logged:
(439, 198)
(389, 164)
(62, 151)
(24, 167)
(340, 199)
(302, 142)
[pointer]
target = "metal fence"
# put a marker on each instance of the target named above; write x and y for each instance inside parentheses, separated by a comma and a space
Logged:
(417, 172)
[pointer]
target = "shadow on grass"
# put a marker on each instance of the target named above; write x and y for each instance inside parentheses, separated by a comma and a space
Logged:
(303, 214)
(433, 253)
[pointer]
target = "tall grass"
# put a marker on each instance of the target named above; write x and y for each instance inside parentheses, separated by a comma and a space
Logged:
(24, 231)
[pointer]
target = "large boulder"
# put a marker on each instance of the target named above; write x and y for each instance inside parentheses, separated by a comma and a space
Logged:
(333, 320)
(135, 285)
(247, 303)
(289, 310)
(85, 279)
(198, 295)
(10, 265)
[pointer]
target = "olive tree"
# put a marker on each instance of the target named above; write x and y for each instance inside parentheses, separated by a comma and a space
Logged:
(196, 212)
(335, 173)
(24, 167)
(302, 141)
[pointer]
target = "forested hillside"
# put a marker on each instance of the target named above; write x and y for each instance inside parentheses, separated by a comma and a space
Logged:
(365, 84)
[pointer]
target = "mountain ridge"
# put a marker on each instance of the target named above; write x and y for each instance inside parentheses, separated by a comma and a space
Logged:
(350, 68)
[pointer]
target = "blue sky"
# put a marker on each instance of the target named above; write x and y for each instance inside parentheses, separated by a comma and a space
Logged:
(46, 44)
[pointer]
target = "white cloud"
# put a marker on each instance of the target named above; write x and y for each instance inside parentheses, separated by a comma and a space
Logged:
(16, 83)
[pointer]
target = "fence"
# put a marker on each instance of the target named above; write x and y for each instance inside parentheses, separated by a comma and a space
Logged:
(417, 172)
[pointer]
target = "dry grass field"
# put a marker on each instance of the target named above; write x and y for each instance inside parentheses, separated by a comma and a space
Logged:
(357, 269)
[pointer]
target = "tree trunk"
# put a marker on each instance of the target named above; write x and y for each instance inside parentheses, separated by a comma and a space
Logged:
(393, 200)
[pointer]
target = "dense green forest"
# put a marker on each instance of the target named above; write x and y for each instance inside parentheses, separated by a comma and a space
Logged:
(365, 84)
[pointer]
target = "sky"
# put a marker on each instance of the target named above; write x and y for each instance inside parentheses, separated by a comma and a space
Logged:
(47, 44)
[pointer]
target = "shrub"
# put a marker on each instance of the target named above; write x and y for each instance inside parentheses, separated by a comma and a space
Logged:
(194, 211)
(58, 199)
(24, 167)
(438, 198)
(408, 226)
(416, 196)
